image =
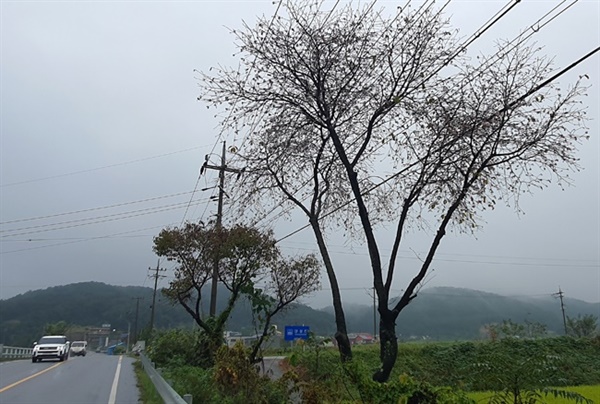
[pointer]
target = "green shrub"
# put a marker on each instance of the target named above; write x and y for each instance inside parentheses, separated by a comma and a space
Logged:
(119, 350)
(422, 373)
(174, 348)
(238, 380)
(195, 381)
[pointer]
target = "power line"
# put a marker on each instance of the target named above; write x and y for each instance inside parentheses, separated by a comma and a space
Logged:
(95, 208)
(472, 261)
(220, 135)
(422, 10)
(93, 220)
(457, 254)
(510, 105)
(77, 241)
(99, 168)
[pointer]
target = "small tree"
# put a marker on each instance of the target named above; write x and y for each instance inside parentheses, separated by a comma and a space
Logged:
(354, 121)
(535, 329)
(582, 326)
(287, 281)
(510, 329)
(58, 328)
(245, 256)
(520, 374)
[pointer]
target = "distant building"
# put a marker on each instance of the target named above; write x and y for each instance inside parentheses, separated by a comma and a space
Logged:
(273, 341)
(362, 338)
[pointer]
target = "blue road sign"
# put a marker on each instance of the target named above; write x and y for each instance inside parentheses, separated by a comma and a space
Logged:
(293, 332)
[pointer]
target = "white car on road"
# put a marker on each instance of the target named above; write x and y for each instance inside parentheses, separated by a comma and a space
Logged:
(78, 348)
(51, 347)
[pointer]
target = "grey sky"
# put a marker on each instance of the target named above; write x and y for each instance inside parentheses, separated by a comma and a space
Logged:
(98, 108)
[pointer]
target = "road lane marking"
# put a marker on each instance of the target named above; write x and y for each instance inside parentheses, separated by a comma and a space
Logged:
(10, 386)
(113, 391)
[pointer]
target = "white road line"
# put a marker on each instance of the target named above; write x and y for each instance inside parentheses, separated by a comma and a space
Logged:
(113, 391)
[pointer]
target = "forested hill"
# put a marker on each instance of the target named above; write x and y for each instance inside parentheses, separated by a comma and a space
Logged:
(439, 313)
(91, 304)
(454, 313)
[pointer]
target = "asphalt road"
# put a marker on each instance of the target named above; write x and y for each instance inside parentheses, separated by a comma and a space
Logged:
(91, 379)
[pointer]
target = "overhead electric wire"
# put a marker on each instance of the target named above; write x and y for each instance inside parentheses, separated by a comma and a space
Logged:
(486, 26)
(481, 68)
(491, 22)
(98, 168)
(521, 98)
(486, 256)
(520, 39)
(93, 209)
(422, 9)
(220, 135)
(470, 261)
(190, 201)
(80, 240)
(93, 220)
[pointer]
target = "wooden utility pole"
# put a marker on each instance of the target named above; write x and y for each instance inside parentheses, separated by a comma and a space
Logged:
(560, 295)
(137, 312)
(155, 276)
(218, 225)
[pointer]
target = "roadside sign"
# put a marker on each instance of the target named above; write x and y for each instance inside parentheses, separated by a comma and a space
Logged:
(293, 332)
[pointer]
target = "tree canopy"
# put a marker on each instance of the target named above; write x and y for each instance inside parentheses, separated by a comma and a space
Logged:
(359, 118)
(248, 263)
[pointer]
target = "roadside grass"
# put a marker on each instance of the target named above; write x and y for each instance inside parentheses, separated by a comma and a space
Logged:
(474, 368)
(590, 392)
(148, 393)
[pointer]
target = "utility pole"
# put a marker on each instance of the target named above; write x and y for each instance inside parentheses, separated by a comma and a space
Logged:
(560, 295)
(222, 169)
(155, 276)
(137, 312)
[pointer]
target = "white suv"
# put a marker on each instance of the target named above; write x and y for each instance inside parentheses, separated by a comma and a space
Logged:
(78, 348)
(50, 347)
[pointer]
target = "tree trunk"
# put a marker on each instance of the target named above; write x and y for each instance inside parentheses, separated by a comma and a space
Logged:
(388, 342)
(341, 334)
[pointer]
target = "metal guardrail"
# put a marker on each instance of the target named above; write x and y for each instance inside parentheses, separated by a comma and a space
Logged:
(163, 388)
(12, 352)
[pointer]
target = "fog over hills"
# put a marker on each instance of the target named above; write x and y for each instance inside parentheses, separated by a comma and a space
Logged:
(440, 313)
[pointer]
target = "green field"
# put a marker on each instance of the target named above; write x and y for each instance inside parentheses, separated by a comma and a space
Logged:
(476, 371)
(590, 392)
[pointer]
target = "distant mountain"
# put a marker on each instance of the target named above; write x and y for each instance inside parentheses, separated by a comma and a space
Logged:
(454, 313)
(437, 313)
(91, 304)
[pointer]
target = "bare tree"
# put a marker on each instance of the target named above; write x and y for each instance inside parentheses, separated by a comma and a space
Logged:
(359, 119)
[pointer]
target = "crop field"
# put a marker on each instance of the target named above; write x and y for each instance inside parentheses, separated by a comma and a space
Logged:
(591, 392)
(450, 372)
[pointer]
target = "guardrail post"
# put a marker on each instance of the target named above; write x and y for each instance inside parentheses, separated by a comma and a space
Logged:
(1, 351)
(188, 398)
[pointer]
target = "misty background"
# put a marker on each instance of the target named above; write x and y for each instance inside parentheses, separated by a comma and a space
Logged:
(102, 138)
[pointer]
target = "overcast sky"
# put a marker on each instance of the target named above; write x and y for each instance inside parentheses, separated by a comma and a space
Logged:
(102, 139)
